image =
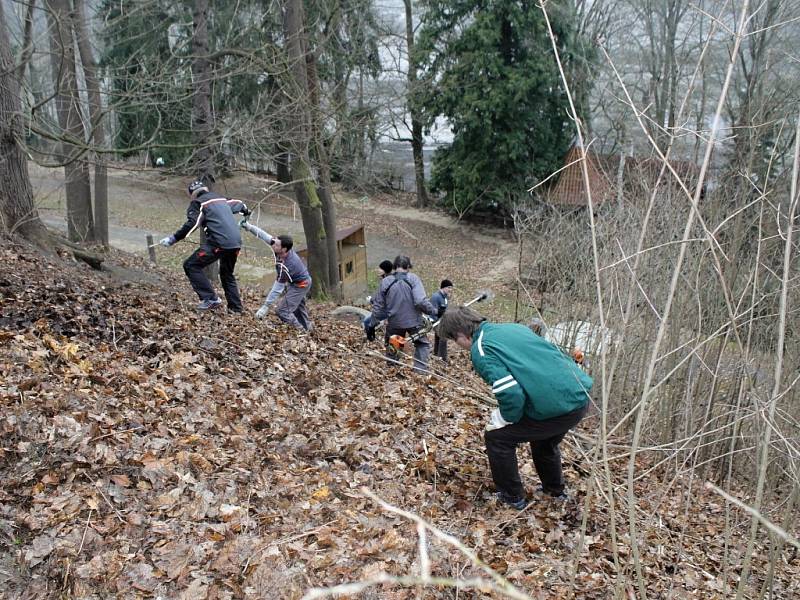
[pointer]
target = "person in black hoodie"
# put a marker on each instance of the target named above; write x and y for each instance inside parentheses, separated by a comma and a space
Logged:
(439, 299)
(214, 213)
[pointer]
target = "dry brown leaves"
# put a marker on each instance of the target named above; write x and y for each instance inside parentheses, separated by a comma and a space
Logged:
(147, 450)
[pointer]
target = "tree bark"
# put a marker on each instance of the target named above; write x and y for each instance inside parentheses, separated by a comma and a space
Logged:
(325, 189)
(202, 116)
(17, 211)
(80, 222)
(27, 42)
(416, 122)
(283, 165)
(305, 190)
(308, 201)
(97, 133)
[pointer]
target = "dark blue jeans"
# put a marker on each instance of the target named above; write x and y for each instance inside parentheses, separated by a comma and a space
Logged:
(544, 438)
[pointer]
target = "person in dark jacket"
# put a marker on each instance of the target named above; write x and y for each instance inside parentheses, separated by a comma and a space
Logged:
(370, 325)
(214, 213)
(292, 281)
(541, 394)
(401, 300)
(439, 299)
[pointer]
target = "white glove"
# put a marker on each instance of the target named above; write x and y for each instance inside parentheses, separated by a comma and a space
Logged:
(262, 312)
(167, 241)
(496, 421)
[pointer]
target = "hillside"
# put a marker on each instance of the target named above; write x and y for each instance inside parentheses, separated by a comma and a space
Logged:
(150, 451)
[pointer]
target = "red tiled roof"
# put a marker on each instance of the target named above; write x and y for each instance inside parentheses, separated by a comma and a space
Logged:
(570, 190)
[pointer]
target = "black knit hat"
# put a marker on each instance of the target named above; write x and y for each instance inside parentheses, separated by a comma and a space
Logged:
(445, 283)
(386, 266)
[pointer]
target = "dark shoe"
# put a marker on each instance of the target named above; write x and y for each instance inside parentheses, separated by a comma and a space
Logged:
(518, 503)
(559, 496)
(209, 304)
(234, 311)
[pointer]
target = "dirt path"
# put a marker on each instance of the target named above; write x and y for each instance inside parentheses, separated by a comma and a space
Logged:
(149, 201)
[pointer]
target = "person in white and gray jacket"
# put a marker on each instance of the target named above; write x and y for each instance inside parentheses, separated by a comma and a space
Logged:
(214, 213)
(402, 301)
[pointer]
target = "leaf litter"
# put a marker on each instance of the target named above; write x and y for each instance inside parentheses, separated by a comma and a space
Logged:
(151, 451)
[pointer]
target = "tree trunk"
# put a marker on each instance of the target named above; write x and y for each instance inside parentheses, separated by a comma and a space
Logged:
(27, 42)
(80, 222)
(202, 117)
(97, 134)
(17, 211)
(416, 122)
(283, 166)
(307, 200)
(305, 191)
(324, 190)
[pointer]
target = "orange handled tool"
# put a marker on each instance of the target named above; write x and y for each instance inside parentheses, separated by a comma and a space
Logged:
(399, 343)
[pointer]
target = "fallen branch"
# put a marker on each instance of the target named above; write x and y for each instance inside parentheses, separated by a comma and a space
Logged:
(90, 258)
(779, 531)
(496, 583)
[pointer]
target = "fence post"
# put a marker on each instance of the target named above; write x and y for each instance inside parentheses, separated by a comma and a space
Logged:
(151, 248)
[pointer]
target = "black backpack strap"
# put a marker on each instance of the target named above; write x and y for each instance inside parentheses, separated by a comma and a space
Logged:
(395, 280)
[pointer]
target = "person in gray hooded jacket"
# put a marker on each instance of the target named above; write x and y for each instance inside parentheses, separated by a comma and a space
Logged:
(402, 301)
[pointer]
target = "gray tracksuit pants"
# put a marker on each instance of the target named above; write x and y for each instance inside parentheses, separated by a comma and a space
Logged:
(292, 307)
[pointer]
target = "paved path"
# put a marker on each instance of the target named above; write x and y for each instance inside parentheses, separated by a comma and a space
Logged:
(131, 239)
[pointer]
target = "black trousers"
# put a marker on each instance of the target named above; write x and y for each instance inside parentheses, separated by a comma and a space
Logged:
(200, 259)
(544, 438)
(440, 347)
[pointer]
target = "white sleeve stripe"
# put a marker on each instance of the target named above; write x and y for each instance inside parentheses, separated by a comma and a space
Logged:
(480, 345)
(504, 387)
(504, 384)
(502, 380)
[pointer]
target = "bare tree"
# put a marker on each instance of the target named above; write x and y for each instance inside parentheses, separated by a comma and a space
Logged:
(97, 131)
(80, 222)
(325, 188)
(416, 119)
(27, 41)
(17, 211)
(305, 190)
(202, 115)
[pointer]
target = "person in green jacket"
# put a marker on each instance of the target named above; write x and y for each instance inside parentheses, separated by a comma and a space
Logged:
(541, 394)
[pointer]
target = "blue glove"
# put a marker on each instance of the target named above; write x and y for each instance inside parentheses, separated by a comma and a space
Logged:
(168, 241)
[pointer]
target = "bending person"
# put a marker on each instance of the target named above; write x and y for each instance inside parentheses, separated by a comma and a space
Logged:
(292, 281)
(541, 394)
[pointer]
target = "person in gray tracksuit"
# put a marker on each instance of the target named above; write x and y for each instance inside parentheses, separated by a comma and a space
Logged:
(401, 299)
(214, 213)
(292, 281)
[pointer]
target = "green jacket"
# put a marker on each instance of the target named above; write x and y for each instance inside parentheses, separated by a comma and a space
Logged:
(529, 375)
